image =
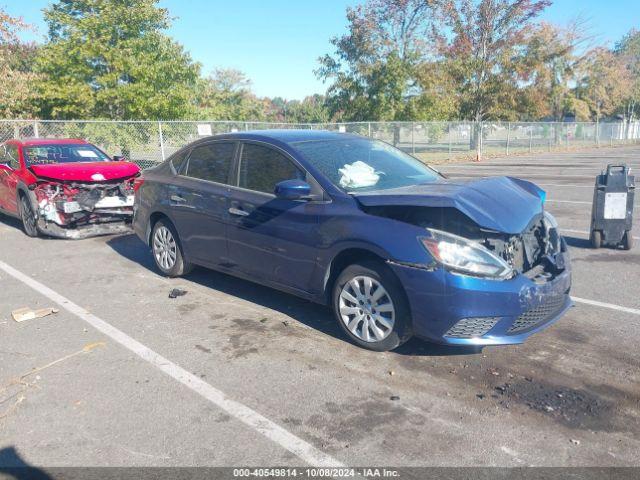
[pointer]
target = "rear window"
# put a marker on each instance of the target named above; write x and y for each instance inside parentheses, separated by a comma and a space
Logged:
(48, 154)
(211, 162)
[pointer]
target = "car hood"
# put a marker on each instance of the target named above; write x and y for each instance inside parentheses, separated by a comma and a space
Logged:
(87, 172)
(503, 204)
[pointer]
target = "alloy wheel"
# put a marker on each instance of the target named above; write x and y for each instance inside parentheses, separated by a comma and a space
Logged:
(165, 248)
(367, 309)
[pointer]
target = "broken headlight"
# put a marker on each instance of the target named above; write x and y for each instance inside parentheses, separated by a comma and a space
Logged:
(465, 256)
(553, 233)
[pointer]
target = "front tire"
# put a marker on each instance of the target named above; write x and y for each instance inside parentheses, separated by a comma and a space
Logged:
(627, 240)
(596, 239)
(28, 217)
(167, 251)
(371, 307)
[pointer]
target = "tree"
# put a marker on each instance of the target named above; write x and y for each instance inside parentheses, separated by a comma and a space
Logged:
(483, 50)
(226, 95)
(372, 71)
(628, 51)
(17, 95)
(111, 59)
(312, 109)
(552, 61)
(604, 82)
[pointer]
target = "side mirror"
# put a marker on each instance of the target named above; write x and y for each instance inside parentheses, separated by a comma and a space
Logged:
(119, 158)
(292, 190)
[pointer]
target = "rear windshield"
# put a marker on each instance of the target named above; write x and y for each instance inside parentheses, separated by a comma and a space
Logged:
(47, 154)
(361, 164)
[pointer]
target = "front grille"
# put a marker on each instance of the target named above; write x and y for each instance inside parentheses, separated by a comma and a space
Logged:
(472, 327)
(539, 314)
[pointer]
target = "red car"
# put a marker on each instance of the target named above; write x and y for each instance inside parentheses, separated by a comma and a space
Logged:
(66, 188)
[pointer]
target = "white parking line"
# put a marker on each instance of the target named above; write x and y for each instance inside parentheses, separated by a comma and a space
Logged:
(568, 201)
(595, 303)
(586, 233)
(303, 450)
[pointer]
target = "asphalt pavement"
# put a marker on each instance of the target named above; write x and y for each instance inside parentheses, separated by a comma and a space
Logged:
(233, 373)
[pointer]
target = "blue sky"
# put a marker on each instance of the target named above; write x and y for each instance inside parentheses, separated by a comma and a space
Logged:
(277, 42)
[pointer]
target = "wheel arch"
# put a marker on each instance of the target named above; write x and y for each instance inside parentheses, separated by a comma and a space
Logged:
(342, 260)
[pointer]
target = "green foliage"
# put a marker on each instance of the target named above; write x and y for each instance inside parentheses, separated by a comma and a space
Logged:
(111, 59)
(372, 71)
(17, 94)
(226, 95)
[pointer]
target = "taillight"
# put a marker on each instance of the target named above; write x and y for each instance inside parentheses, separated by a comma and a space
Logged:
(137, 183)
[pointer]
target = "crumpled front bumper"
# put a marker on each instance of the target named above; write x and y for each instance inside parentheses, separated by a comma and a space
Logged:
(439, 300)
(86, 231)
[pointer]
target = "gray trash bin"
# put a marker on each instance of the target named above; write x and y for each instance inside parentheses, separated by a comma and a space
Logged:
(612, 209)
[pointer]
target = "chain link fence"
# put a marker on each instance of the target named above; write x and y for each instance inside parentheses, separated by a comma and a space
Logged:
(147, 143)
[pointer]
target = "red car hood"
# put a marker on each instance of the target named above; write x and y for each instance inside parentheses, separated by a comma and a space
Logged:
(86, 172)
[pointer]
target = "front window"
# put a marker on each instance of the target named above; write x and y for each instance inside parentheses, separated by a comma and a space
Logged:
(47, 154)
(360, 164)
(261, 168)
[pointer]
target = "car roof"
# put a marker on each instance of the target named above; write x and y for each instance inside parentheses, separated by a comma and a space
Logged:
(35, 142)
(286, 135)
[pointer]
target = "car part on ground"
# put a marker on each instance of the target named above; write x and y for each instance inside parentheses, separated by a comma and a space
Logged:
(612, 208)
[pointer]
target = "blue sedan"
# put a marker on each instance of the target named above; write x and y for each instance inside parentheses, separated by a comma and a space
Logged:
(395, 248)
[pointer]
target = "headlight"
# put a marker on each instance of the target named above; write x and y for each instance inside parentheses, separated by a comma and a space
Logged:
(465, 256)
(553, 233)
(550, 220)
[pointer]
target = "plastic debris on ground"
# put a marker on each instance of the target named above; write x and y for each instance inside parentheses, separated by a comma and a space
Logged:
(26, 313)
(176, 292)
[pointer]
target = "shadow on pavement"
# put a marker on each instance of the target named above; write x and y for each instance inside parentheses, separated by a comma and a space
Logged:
(313, 315)
(577, 242)
(13, 466)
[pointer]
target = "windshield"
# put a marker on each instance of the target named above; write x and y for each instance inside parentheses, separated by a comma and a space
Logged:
(47, 154)
(360, 164)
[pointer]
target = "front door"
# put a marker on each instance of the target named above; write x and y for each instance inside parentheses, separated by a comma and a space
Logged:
(8, 178)
(270, 238)
(198, 199)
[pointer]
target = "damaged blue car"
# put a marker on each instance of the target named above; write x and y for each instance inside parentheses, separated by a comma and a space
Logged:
(392, 246)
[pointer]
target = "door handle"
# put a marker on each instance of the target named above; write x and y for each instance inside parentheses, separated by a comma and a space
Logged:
(177, 199)
(238, 212)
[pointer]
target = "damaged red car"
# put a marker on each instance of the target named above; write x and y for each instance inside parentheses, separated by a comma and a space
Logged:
(66, 188)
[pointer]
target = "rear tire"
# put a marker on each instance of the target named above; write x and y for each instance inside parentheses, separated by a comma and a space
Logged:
(627, 240)
(167, 250)
(596, 239)
(371, 307)
(28, 217)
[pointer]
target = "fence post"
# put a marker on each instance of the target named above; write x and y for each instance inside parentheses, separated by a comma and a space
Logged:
(530, 138)
(479, 142)
(369, 124)
(413, 141)
(597, 132)
(611, 135)
(508, 133)
(566, 133)
(36, 132)
(449, 141)
(161, 140)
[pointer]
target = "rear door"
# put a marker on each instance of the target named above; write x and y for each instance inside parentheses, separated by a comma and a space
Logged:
(9, 178)
(270, 238)
(198, 201)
